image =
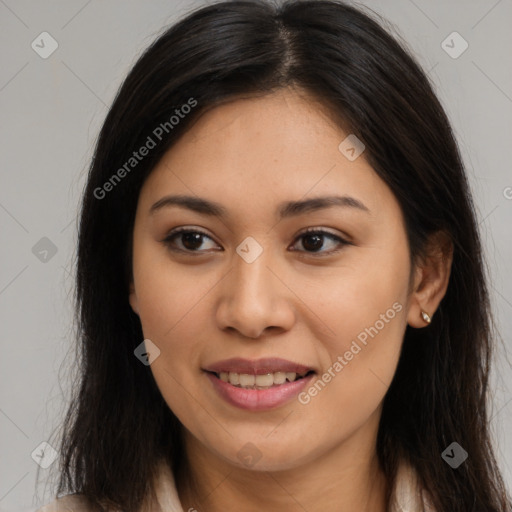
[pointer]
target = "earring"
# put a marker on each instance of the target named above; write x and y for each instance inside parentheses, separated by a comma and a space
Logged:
(426, 317)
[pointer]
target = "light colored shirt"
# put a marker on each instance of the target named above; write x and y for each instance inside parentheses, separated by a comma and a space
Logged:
(407, 496)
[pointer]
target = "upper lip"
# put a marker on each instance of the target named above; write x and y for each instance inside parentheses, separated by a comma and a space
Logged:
(257, 366)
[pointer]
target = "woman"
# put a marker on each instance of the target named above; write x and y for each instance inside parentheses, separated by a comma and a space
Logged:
(281, 296)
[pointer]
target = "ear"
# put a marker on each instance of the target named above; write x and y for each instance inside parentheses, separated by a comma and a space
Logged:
(431, 277)
(133, 299)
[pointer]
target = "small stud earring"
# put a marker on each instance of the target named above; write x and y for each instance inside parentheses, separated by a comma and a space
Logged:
(426, 317)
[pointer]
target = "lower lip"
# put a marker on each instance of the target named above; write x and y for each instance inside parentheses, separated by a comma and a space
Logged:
(258, 399)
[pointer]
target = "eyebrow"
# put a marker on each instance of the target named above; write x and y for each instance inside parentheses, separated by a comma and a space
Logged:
(285, 210)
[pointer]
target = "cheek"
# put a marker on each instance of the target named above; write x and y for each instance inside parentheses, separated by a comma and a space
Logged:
(365, 300)
(361, 365)
(172, 313)
(365, 307)
(167, 296)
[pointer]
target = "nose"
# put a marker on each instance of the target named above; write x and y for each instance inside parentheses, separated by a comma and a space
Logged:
(255, 298)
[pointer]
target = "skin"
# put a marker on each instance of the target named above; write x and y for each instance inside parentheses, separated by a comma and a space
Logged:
(250, 155)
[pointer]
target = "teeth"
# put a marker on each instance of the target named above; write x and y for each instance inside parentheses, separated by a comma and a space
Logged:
(279, 378)
(264, 381)
(244, 380)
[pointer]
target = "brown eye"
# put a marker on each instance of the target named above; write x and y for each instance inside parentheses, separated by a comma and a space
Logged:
(314, 240)
(186, 240)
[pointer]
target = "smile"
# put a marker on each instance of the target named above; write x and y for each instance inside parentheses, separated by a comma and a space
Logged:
(266, 381)
(258, 385)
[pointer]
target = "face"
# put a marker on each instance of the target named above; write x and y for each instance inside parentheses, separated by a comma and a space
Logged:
(251, 298)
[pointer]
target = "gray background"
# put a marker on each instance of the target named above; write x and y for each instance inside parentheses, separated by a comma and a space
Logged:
(51, 112)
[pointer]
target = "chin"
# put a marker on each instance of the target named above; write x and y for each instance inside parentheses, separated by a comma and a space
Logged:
(261, 455)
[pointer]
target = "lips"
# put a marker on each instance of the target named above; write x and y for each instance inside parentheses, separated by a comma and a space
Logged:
(258, 366)
(260, 384)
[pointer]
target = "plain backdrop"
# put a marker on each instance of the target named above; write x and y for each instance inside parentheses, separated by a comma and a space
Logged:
(51, 111)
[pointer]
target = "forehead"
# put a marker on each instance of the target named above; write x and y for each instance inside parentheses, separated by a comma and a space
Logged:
(283, 146)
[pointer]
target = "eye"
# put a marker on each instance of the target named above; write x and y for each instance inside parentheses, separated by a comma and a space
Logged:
(190, 239)
(313, 241)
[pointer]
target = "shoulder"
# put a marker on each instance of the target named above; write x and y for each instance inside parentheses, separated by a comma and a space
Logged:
(70, 503)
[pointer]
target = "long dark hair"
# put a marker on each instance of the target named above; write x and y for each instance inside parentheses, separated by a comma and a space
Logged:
(118, 425)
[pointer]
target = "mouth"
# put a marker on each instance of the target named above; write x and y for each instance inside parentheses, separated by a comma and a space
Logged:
(258, 385)
(258, 373)
(262, 381)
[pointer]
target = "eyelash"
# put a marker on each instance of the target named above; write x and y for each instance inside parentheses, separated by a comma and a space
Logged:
(310, 231)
